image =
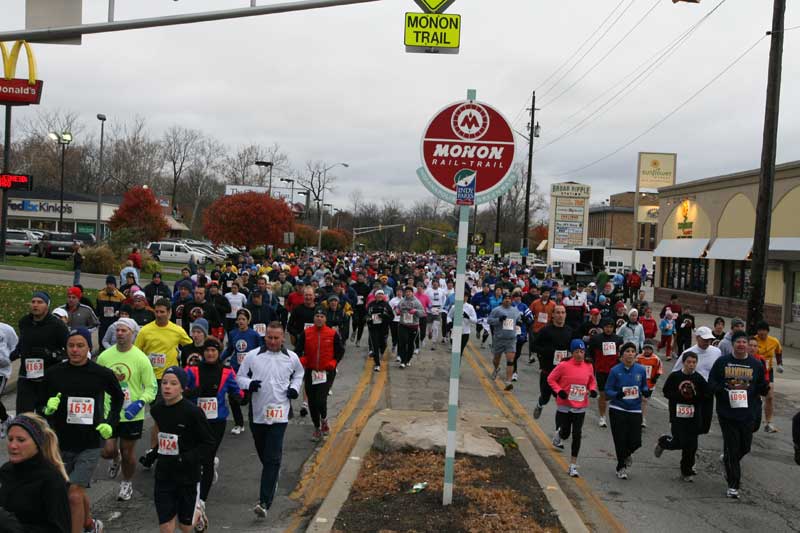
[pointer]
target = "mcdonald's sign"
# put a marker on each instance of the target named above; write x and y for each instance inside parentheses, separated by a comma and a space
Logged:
(15, 91)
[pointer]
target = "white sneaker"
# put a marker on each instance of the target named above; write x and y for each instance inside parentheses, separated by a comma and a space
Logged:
(416, 351)
(237, 430)
(644, 423)
(733, 493)
(200, 520)
(602, 422)
(397, 359)
(622, 474)
(557, 441)
(125, 491)
(113, 468)
(97, 526)
(216, 471)
(514, 376)
(260, 510)
(573, 471)
(769, 428)
(376, 368)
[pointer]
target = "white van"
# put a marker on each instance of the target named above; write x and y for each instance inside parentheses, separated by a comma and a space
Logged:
(175, 252)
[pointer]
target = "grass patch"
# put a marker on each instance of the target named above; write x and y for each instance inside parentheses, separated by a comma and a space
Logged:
(17, 296)
(36, 262)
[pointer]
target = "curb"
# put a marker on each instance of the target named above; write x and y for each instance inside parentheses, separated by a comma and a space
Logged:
(324, 519)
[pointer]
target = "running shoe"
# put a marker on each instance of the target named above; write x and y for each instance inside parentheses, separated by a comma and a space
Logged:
(125, 491)
(769, 428)
(260, 510)
(200, 518)
(402, 365)
(216, 471)
(304, 409)
(602, 422)
(96, 527)
(316, 436)
(398, 359)
(557, 441)
(495, 372)
(531, 359)
(733, 493)
(326, 430)
(687, 479)
(573, 471)
(622, 474)
(537, 412)
(694, 470)
(514, 377)
(113, 468)
(416, 351)
(644, 423)
(658, 450)
(509, 386)
(237, 430)
(377, 368)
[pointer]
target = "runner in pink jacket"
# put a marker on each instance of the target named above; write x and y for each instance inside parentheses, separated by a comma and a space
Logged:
(572, 381)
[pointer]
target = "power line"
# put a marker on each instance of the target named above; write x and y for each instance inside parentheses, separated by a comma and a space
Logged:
(608, 29)
(650, 64)
(577, 50)
(605, 56)
(668, 115)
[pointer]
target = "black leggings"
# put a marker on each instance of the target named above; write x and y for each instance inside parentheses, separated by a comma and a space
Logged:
(423, 328)
(377, 342)
(207, 476)
(359, 320)
(393, 329)
(464, 341)
(236, 410)
(545, 392)
(626, 428)
(318, 397)
(737, 438)
(567, 423)
(683, 438)
(518, 353)
(407, 337)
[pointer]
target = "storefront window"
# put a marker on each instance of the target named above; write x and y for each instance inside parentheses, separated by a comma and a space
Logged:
(796, 298)
(684, 274)
(43, 225)
(735, 279)
(15, 223)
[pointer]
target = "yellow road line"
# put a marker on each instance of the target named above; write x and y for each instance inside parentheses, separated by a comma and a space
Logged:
(535, 429)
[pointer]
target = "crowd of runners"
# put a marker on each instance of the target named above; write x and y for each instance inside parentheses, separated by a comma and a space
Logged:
(262, 336)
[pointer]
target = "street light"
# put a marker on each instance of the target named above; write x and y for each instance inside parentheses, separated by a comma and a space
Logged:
(98, 233)
(270, 165)
(291, 197)
(338, 211)
(322, 200)
(63, 139)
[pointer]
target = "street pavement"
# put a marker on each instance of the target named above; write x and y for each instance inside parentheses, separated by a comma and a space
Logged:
(654, 499)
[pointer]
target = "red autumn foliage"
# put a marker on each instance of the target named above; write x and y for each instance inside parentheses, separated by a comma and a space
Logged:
(538, 233)
(248, 219)
(141, 215)
(304, 235)
(335, 239)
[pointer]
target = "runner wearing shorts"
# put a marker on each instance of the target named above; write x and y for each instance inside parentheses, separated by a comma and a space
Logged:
(504, 320)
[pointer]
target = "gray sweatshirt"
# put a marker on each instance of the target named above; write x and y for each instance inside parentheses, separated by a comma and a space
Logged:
(504, 320)
(408, 319)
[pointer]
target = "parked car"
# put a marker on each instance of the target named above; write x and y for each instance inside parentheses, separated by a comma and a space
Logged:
(56, 244)
(175, 252)
(36, 238)
(84, 239)
(18, 242)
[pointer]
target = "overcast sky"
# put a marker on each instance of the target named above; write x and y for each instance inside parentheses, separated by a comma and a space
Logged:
(337, 85)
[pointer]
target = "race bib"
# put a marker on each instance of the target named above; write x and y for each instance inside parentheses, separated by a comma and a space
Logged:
(376, 318)
(261, 329)
(281, 300)
(630, 393)
(359, 300)
(274, 413)
(609, 348)
(558, 356)
(318, 376)
(408, 318)
(209, 406)
(235, 308)
(738, 399)
(158, 360)
(108, 311)
(542, 318)
(577, 393)
(436, 310)
(683, 410)
(240, 357)
(648, 370)
(34, 368)
(126, 395)
(168, 444)
(179, 322)
(508, 324)
(518, 330)
(229, 283)
(80, 411)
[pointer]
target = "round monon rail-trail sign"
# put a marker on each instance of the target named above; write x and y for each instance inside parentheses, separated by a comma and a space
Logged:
(467, 153)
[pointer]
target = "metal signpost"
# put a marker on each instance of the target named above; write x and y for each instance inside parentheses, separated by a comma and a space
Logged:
(467, 153)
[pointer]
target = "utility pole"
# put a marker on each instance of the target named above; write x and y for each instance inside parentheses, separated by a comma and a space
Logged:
(497, 225)
(758, 266)
(526, 226)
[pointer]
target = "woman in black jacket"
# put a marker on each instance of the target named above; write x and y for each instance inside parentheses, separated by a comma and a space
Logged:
(33, 483)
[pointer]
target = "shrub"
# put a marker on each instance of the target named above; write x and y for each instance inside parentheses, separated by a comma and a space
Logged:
(258, 253)
(99, 260)
(149, 265)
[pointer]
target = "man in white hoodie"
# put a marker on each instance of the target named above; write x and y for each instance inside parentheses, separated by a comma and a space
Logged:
(8, 343)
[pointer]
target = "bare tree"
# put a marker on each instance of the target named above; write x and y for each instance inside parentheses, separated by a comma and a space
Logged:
(180, 147)
(203, 176)
(241, 169)
(134, 157)
(316, 180)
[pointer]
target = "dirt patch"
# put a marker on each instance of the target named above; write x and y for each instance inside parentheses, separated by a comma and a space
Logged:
(497, 494)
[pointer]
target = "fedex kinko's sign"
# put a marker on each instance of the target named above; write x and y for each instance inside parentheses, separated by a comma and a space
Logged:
(18, 91)
(468, 140)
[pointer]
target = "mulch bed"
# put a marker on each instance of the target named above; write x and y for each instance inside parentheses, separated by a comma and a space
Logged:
(497, 495)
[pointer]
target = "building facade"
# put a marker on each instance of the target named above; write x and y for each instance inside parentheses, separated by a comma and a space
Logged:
(611, 228)
(705, 243)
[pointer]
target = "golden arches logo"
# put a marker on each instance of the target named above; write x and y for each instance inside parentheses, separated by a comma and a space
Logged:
(10, 60)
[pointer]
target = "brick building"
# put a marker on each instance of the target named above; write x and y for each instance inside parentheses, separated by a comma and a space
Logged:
(611, 227)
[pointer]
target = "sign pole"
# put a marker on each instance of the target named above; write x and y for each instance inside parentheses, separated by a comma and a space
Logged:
(6, 166)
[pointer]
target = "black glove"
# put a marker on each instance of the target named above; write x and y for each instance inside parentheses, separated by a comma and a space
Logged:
(292, 394)
(149, 458)
(255, 385)
(562, 394)
(593, 393)
(647, 393)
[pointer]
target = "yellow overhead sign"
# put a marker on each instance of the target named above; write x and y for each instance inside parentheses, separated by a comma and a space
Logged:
(432, 32)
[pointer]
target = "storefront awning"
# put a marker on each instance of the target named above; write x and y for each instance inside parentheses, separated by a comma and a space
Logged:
(564, 256)
(542, 246)
(784, 248)
(732, 249)
(682, 248)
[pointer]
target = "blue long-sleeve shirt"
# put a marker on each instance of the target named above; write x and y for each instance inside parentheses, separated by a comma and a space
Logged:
(239, 343)
(625, 387)
(525, 321)
(481, 303)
